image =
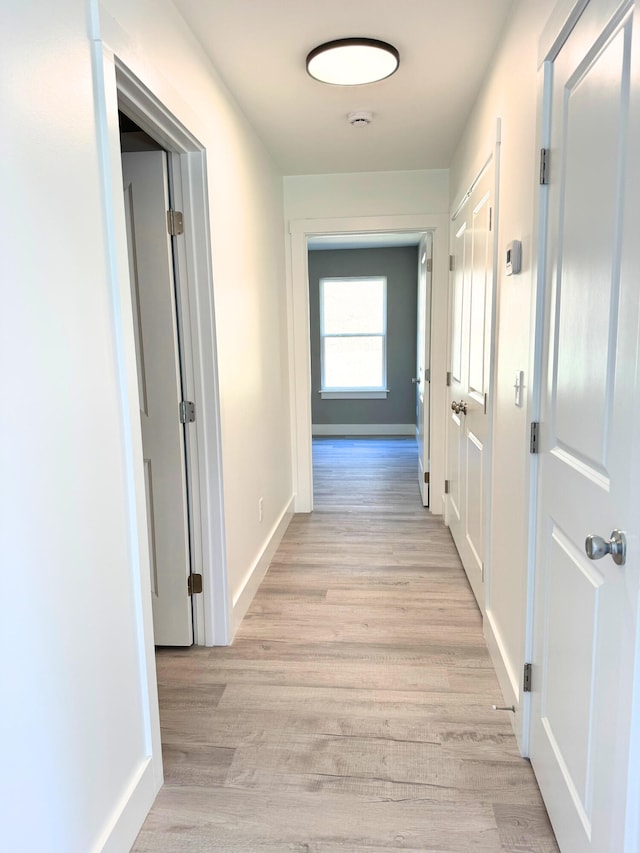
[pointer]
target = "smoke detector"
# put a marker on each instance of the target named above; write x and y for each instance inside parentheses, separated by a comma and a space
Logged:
(361, 118)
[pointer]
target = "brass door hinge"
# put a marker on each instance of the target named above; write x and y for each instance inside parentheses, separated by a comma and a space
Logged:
(194, 584)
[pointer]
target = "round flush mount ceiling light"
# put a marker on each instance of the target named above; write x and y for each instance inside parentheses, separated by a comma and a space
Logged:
(353, 61)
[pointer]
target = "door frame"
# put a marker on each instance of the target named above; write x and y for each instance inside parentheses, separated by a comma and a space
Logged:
(300, 337)
(195, 307)
(425, 250)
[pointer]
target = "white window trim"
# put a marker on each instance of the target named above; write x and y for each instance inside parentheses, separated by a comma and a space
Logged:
(358, 393)
(353, 394)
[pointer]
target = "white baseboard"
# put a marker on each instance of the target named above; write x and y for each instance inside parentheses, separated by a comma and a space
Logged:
(243, 598)
(129, 815)
(509, 680)
(363, 429)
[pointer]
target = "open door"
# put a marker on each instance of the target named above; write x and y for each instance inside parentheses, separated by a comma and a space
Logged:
(423, 362)
(146, 195)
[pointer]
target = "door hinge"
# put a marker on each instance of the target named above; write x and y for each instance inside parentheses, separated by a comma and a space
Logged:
(544, 165)
(426, 476)
(446, 487)
(429, 264)
(490, 219)
(535, 434)
(194, 584)
(448, 378)
(187, 412)
(486, 402)
(526, 679)
(482, 572)
(175, 223)
(452, 263)
(427, 375)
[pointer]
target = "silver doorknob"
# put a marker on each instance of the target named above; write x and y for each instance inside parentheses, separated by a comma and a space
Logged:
(462, 407)
(597, 547)
(455, 407)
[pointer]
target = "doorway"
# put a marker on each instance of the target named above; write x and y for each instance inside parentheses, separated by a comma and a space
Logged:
(186, 163)
(363, 300)
(165, 415)
(300, 233)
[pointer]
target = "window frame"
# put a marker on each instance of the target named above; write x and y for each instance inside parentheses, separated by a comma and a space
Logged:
(374, 392)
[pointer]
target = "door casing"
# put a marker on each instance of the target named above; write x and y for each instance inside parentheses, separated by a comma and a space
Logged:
(299, 338)
(194, 293)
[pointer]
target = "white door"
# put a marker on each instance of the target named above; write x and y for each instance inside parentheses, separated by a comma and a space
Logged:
(470, 352)
(154, 307)
(585, 625)
(423, 363)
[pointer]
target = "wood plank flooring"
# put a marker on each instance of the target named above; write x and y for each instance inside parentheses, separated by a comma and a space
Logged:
(353, 711)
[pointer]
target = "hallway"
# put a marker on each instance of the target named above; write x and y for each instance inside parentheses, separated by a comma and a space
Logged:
(353, 711)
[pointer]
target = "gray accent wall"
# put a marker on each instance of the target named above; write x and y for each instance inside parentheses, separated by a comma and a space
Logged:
(400, 266)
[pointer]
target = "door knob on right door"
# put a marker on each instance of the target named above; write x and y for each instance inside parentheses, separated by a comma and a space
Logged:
(597, 547)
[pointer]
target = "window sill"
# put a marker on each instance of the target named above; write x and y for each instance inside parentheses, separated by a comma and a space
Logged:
(354, 394)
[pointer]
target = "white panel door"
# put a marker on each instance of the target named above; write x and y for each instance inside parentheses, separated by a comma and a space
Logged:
(154, 308)
(423, 363)
(470, 351)
(585, 611)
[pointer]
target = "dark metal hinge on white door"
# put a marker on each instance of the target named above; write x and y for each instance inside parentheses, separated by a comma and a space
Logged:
(446, 487)
(175, 223)
(429, 264)
(427, 375)
(526, 678)
(490, 219)
(452, 263)
(534, 437)
(194, 584)
(448, 378)
(187, 412)
(544, 166)
(426, 476)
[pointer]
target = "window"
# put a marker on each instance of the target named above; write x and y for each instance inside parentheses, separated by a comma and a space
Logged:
(353, 337)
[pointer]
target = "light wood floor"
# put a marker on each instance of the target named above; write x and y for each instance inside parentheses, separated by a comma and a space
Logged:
(353, 711)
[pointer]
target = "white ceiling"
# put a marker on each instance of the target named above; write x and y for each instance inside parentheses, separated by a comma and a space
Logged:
(259, 48)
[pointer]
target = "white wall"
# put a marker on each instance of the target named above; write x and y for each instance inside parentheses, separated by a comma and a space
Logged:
(360, 202)
(75, 729)
(366, 194)
(78, 721)
(246, 210)
(510, 92)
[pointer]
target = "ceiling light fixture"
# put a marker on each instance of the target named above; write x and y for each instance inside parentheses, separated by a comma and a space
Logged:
(353, 61)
